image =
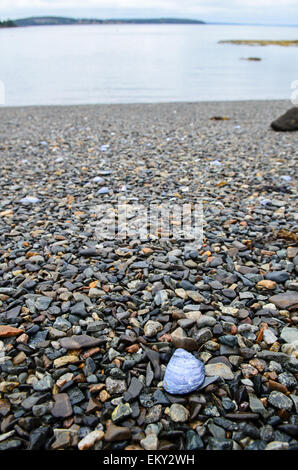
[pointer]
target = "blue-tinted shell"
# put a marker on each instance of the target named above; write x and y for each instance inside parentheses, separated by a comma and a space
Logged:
(184, 373)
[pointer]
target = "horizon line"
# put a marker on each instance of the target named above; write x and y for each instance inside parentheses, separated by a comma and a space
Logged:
(150, 19)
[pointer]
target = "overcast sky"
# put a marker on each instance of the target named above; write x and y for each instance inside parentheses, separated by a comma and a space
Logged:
(243, 11)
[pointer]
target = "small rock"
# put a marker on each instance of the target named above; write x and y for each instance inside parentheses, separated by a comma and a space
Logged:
(277, 445)
(152, 327)
(178, 413)
(8, 331)
(278, 276)
(266, 284)
(62, 407)
(220, 370)
(287, 300)
(269, 337)
(117, 433)
(79, 341)
(88, 441)
(133, 391)
(289, 335)
(115, 386)
(122, 411)
(280, 400)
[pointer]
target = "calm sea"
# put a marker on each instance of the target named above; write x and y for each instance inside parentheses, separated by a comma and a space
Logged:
(143, 63)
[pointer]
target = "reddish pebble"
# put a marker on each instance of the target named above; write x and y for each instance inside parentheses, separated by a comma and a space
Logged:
(7, 331)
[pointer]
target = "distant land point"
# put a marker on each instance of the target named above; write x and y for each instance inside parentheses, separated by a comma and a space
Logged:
(61, 20)
(261, 42)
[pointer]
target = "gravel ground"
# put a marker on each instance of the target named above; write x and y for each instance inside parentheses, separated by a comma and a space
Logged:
(87, 328)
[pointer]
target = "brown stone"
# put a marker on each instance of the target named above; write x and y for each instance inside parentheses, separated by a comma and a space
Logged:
(147, 251)
(4, 407)
(7, 331)
(249, 371)
(277, 386)
(189, 344)
(104, 396)
(96, 388)
(258, 364)
(93, 405)
(90, 352)
(266, 284)
(19, 358)
(117, 433)
(133, 447)
(132, 349)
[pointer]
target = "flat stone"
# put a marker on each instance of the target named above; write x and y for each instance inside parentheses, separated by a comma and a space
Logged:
(220, 370)
(193, 441)
(88, 441)
(8, 331)
(79, 309)
(189, 344)
(287, 300)
(152, 327)
(266, 284)
(277, 445)
(133, 391)
(63, 439)
(280, 400)
(278, 276)
(289, 335)
(62, 407)
(206, 320)
(13, 312)
(115, 386)
(88, 252)
(64, 360)
(203, 335)
(150, 442)
(43, 302)
(277, 356)
(117, 433)
(79, 341)
(256, 405)
(269, 337)
(161, 297)
(44, 384)
(122, 411)
(178, 413)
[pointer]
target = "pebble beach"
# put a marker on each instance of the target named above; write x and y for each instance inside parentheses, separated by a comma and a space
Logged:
(87, 329)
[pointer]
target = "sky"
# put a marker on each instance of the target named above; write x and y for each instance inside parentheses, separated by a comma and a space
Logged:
(284, 12)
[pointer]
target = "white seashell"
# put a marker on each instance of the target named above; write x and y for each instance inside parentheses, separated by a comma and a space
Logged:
(184, 373)
(29, 200)
(103, 190)
(98, 179)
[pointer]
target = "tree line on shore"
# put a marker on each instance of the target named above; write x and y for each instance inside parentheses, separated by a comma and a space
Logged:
(7, 24)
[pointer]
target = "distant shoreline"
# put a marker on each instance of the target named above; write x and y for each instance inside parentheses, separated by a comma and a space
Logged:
(61, 20)
(260, 42)
(55, 21)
